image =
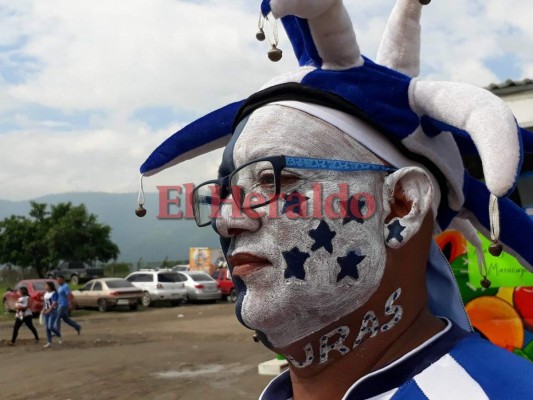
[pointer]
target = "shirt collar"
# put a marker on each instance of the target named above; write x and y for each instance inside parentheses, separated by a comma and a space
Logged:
(389, 377)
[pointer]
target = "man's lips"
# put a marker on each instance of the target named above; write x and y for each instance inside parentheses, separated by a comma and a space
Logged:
(247, 263)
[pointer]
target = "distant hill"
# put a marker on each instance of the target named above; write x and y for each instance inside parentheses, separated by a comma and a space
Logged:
(148, 237)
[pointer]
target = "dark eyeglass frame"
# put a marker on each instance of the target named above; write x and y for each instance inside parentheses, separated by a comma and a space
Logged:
(278, 164)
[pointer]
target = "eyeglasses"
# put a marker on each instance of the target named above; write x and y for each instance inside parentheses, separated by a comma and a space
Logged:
(259, 182)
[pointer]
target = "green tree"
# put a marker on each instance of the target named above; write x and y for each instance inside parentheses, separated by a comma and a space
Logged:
(65, 232)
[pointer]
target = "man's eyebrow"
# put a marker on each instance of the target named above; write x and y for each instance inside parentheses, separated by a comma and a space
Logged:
(251, 155)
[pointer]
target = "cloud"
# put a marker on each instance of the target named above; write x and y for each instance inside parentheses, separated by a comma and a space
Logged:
(41, 160)
(89, 88)
(102, 54)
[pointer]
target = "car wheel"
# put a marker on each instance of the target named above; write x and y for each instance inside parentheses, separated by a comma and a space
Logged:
(134, 306)
(146, 300)
(102, 305)
(74, 280)
(6, 307)
(233, 295)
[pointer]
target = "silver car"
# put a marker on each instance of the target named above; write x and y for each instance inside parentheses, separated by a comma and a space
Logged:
(200, 286)
(106, 293)
(159, 285)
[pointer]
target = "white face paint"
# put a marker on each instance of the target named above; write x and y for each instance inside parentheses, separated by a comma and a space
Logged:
(289, 308)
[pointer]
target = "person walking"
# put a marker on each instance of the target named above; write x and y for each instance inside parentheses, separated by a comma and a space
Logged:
(50, 313)
(23, 315)
(63, 306)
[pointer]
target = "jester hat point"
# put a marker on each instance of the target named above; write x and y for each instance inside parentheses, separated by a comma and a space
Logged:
(433, 124)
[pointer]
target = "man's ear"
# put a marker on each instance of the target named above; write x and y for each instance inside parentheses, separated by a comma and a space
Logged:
(407, 197)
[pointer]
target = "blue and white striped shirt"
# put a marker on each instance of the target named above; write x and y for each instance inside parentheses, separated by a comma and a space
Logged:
(453, 364)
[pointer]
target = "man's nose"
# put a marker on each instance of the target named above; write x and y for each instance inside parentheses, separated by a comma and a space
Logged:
(233, 221)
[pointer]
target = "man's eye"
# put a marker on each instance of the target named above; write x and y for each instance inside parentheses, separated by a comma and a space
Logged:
(266, 179)
(289, 179)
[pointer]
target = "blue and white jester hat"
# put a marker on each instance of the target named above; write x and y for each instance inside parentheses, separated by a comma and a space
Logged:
(431, 123)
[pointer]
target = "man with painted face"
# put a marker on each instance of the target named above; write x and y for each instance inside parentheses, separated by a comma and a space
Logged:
(334, 178)
(333, 294)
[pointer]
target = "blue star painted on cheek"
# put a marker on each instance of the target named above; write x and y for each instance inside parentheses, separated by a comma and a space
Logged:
(322, 236)
(293, 202)
(395, 231)
(349, 265)
(295, 260)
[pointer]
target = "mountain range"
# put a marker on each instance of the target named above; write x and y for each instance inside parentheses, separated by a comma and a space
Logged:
(147, 238)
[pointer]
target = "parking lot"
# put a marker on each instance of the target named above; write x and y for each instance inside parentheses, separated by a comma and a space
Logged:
(191, 352)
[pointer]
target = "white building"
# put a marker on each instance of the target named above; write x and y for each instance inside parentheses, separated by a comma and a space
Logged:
(519, 96)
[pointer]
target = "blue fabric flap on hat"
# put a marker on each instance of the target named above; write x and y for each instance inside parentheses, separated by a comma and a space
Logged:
(379, 92)
(199, 137)
(302, 43)
(265, 7)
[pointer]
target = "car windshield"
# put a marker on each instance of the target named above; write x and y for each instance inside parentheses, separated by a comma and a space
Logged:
(200, 277)
(168, 277)
(119, 283)
(41, 286)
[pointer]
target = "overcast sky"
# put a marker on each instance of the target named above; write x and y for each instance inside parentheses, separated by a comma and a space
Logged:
(88, 88)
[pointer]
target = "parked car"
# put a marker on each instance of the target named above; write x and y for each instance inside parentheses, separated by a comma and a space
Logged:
(159, 285)
(105, 293)
(76, 272)
(223, 277)
(200, 286)
(36, 289)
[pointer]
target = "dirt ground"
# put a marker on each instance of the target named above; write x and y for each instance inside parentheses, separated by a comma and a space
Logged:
(192, 352)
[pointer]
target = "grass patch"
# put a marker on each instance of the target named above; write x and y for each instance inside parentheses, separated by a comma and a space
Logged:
(83, 312)
(7, 317)
(4, 286)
